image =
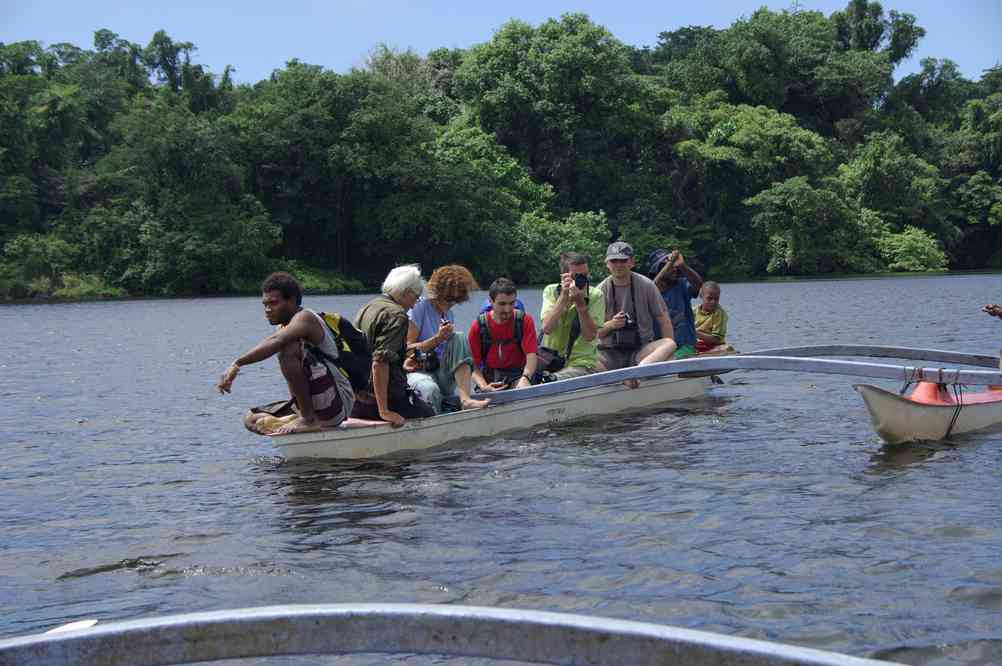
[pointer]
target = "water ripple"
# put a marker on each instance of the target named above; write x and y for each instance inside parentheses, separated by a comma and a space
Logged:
(768, 509)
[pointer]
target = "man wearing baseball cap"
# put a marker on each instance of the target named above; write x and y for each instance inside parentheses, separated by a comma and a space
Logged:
(632, 306)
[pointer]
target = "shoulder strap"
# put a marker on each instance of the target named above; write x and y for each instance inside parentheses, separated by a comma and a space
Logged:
(485, 337)
(331, 320)
(347, 338)
(519, 317)
(633, 298)
(325, 325)
(573, 337)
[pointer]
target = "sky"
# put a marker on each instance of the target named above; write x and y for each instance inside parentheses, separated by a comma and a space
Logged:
(257, 37)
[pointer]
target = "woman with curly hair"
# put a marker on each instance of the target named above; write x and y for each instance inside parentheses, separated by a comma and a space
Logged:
(443, 378)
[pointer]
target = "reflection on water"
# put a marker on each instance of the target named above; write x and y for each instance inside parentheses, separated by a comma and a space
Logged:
(892, 456)
(970, 653)
(768, 509)
(337, 504)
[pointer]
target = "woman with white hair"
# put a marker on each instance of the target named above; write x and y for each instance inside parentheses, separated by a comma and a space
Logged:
(384, 322)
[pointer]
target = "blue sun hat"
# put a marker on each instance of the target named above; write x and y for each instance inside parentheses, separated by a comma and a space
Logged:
(656, 261)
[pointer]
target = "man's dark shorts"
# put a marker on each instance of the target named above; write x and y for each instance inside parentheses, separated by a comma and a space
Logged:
(410, 407)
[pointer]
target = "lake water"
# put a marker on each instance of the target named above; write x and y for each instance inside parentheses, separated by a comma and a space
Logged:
(769, 509)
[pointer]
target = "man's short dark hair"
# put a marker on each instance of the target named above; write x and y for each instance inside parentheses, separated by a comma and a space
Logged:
(284, 284)
(568, 259)
(502, 285)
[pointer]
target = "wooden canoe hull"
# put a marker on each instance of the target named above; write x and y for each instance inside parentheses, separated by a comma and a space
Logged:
(897, 419)
(419, 434)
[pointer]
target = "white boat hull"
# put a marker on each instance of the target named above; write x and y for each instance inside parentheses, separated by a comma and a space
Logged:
(419, 434)
(897, 419)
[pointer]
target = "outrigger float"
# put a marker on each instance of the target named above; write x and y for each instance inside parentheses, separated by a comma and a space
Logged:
(938, 407)
(895, 419)
(931, 412)
(456, 631)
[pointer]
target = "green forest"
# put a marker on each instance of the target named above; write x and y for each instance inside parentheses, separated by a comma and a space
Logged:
(781, 145)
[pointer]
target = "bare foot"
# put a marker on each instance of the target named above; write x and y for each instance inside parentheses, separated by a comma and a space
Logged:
(266, 424)
(298, 425)
(631, 383)
(470, 403)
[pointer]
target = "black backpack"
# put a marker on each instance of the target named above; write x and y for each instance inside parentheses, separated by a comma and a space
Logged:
(354, 355)
(485, 333)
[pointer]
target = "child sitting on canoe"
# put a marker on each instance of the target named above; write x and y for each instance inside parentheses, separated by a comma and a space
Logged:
(711, 321)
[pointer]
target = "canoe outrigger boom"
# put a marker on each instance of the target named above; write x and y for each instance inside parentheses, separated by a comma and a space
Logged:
(761, 361)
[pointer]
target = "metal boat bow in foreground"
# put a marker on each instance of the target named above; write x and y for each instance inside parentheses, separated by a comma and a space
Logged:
(465, 631)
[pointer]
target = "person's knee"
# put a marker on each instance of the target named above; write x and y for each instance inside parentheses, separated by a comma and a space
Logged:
(463, 370)
(290, 356)
(666, 348)
(656, 351)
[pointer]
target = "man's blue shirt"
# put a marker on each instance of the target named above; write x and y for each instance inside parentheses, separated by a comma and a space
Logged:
(679, 301)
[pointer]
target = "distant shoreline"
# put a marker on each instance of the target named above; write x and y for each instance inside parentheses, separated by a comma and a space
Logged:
(373, 290)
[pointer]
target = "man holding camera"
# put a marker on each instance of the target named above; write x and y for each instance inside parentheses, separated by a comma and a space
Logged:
(571, 314)
(632, 305)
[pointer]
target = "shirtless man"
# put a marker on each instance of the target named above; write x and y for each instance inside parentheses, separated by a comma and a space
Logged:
(321, 395)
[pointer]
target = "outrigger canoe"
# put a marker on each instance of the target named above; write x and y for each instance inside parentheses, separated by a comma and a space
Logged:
(370, 439)
(603, 393)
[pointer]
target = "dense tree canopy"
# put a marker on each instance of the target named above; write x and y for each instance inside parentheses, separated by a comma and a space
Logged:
(779, 145)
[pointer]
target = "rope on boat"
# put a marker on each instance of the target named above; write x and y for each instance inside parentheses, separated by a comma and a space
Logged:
(910, 375)
(914, 374)
(958, 398)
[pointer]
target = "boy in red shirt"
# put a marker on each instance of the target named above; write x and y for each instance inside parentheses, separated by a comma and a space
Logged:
(504, 355)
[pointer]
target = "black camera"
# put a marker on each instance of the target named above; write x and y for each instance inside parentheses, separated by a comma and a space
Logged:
(627, 337)
(580, 281)
(426, 361)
